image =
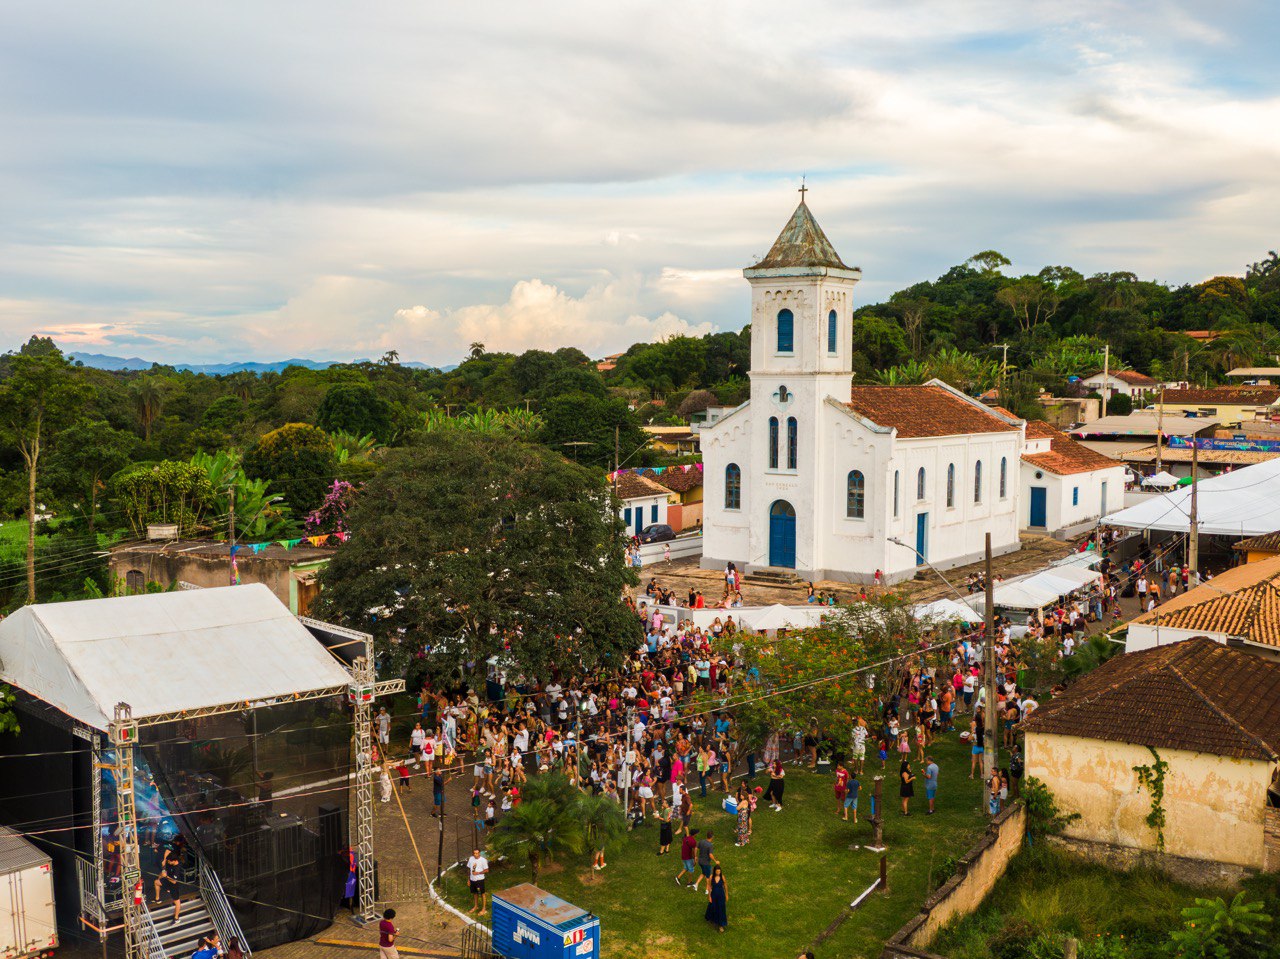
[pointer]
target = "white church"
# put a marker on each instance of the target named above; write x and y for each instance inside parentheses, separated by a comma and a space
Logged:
(837, 481)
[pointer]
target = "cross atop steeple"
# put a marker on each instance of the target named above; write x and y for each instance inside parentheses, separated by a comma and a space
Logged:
(803, 189)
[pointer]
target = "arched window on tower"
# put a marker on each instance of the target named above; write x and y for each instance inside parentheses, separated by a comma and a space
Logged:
(920, 483)
(793, 442)
(732, 487)
(833, 331)
(786, 332)
(773, 442)
(856, 496)
(977, 482)
(951, 485)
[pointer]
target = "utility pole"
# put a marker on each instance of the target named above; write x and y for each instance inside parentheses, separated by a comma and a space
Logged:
(1193, 539)
(1106, 376)
(1004, 362)
(231, 535)
(990, 739)
(1159, 429)
(617, 465)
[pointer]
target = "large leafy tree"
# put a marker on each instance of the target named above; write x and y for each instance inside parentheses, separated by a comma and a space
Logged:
(583, 427)
(41, 393)
(87, 455)
(468, 545)
(355, 408)
(298, 460)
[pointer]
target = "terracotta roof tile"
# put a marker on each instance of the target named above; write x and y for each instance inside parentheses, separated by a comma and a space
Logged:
(1252, 613)
(1196, 695)
(1132, 377)
(676, 479)
(1065, 456)
(1230, 395)
(1266, 543)
(631, 486)
(926, 410)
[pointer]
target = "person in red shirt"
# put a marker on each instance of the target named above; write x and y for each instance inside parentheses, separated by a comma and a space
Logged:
(387, 933)
(842, 790)
(688, 856)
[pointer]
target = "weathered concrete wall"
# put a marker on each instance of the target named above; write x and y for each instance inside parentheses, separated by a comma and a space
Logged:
(976, 875)
(1214, 807)
(1192, 872)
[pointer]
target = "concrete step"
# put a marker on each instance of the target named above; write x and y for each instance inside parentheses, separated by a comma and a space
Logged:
(181, 938)
(773, 576)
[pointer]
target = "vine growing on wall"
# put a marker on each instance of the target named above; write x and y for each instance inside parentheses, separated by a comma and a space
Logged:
(1151, 777)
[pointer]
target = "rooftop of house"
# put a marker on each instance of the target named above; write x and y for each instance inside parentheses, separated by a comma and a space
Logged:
(1197, 695)
(927, 410)
(1145, 423)
(1132, 377)
(676, 478)
(1065, 456)
(634, 486)
(1266, 543)
(1149, 454)
(209, 549)
(1230, 395)
(801, 244)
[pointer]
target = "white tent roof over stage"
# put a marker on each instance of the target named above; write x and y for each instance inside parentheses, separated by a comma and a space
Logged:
(163, 652)
(1244, 502)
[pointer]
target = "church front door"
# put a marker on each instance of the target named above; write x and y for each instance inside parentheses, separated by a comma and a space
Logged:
(782, 534)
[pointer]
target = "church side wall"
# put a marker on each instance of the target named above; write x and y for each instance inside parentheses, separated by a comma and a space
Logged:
(726, 534)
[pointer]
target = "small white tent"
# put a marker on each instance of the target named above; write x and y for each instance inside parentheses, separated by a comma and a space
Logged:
(1163, 480)
(775, 617)
(164, 652)
(946, 610)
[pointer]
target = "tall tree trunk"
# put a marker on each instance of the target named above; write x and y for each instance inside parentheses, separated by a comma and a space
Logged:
(31, 459)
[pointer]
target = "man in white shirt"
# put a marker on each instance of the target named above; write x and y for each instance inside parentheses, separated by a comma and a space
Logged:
(477, 870)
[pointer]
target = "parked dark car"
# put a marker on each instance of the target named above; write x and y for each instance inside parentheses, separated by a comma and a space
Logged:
(657, 533)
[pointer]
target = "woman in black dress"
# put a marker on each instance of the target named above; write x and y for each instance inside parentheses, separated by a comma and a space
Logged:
(717, 900)
(906, 788)
(664, 828)
(777, 777)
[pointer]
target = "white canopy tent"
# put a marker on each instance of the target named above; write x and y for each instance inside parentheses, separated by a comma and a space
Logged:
(946, 610)
(1164, 479)
(163, 653)
(1244, 502)
(775, 617)
(1039, 589)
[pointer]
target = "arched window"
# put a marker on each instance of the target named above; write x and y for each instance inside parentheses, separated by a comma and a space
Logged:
(977, 482)
(1004, 476)
(135, 581)
(793, 442)
(920, 483)
(833, 332)
(786, 332)
(773, 442)
(856, 496)
(895, 494)
(951, 485)
(732, 487)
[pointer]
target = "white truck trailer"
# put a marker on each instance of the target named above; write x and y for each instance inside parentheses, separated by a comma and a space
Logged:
(28, 927)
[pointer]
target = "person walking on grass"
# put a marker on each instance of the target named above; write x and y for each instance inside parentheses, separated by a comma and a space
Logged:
(777, 782)
(706, 858)
(717, 900)
(851, 798)
(930, 782)
(906, 787)
(841, 789)
(688, 856)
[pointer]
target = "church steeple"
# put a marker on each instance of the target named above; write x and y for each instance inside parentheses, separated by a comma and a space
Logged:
(801, 244)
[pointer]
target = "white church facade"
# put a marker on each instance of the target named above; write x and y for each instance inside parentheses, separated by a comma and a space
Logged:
(837, 481)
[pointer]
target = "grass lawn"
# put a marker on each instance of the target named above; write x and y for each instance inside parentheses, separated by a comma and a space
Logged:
(1047, 896)
(13, 539)
(786, 886)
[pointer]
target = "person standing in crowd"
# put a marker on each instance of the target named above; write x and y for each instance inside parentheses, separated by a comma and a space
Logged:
(930, 782)
(384, 727)
(906, 786)
(743, 815)
(777, 783)
(664, 827)
(706, 858)
(477, 870)
(860, 734)
(717, 900)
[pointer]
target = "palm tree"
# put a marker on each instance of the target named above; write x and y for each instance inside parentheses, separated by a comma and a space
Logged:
(476, 351)
(602, 820)
(148, 400)
(545, 824)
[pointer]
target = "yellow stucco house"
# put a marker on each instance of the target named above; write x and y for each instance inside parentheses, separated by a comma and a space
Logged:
(1228, 405)
(1212, 713)
(1259, 548)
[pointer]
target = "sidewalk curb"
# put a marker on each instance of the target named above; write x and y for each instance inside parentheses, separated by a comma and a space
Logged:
(431, 887)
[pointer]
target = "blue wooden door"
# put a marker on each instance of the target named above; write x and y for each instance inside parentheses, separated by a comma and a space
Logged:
(639, 520)
(782, 534)
(1039, 507)
(922, 537)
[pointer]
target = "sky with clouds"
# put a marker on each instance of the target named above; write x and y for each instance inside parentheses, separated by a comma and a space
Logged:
(243, 180)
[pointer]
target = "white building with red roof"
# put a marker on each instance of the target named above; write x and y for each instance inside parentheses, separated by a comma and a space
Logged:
(837, 481)
(1066, 485)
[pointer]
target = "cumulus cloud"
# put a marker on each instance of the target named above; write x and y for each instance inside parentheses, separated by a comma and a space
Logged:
(632, 157)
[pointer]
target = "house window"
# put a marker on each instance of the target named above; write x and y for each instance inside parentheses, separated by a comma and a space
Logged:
(732, 487)
(1004, 477)
(793, 442)
(1075, 496)
(896, 477)
(626, 517)
(951, 485)
(856, 497)
(653, 513)
(833, 327)
(977, 482)
(920, 483)
(773, 442)
(786, 332)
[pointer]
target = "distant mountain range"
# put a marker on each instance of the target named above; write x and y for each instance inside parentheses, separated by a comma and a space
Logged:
(101, 361)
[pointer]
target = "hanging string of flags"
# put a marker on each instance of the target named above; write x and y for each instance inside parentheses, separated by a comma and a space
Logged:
(655, 470)
(322, 540)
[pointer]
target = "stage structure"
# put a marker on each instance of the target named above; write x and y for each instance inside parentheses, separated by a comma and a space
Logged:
(154, 697)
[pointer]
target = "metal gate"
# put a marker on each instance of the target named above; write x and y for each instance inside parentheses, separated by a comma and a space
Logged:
(477, 943)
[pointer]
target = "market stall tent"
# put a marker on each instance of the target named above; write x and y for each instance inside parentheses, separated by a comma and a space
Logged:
(1244, 502)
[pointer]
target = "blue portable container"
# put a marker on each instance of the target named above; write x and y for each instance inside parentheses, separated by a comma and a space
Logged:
(529, 923)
